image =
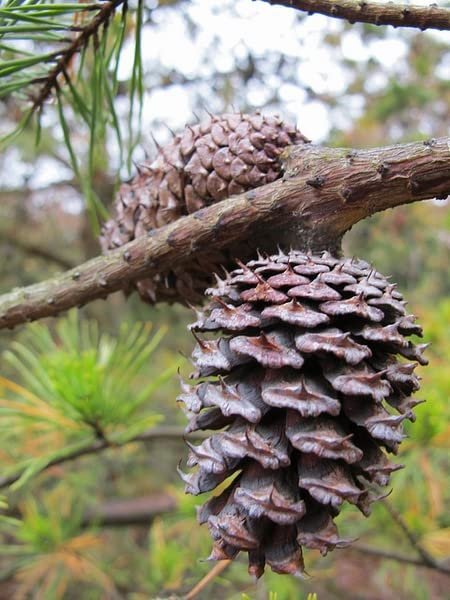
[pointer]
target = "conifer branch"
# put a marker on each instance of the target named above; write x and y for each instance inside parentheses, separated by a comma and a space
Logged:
(397, 15)
(123, 512)
(50, 82)
(425, 557)
(34, 250)
(401, 558)
(324, 192)
(99, 445)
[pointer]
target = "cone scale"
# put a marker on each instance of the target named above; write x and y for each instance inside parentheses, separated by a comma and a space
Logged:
(222, 156)
(304, 368)
(304, 372)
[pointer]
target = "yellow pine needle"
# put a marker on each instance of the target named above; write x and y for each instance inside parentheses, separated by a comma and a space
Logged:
(30, 575)
(83, 541)
(437, 542)
(49, 580)
(68, 561)
(84, 569)
(18, 389)
(5, 458)
(44, 411)
(442, 439)
(73, 562)
(60, 590)
(35, 443)
(434, 487)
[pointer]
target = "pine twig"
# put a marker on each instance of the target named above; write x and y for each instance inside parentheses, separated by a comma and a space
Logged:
(427, 559)
(353, 185)
(67, 54)
(388, 555)
(123, 512)
(34, 249)
(215, 571)
(99, 445)
(397, 15)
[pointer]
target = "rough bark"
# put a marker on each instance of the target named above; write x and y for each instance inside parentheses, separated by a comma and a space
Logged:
(323, 193)
(397, 15)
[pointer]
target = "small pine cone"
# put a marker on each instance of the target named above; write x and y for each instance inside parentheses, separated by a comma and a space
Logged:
(208, 162)
(301, 366)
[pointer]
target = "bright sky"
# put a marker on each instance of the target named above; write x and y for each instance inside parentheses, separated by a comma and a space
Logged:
(259, 27)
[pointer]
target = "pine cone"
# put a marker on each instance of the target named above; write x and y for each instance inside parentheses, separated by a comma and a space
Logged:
(208, 162)
(304, 381)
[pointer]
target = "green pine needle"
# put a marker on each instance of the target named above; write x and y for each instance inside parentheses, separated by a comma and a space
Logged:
(79, 384)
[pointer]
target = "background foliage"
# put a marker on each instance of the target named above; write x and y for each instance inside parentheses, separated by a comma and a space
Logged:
(98, 377)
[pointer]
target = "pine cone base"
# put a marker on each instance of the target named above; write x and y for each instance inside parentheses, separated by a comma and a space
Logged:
(305, 371)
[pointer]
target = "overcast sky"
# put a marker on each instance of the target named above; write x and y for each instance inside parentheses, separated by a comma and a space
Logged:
(260, 28)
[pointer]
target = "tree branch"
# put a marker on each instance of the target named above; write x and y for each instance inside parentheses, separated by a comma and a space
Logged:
(425, 557)
(388, 555)
(397, 15)
(142, 510)
(35, 250)
(166, 432)
(121, 512)
(323, 193)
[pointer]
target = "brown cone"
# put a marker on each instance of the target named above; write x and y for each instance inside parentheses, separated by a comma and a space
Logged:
(208, 162)
(301, 361)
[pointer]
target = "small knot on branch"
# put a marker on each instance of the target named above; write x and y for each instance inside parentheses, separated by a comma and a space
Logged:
(316, 182)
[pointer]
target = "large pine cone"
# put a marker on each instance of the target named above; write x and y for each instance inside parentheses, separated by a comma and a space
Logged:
(208, 162)
(309, 384)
